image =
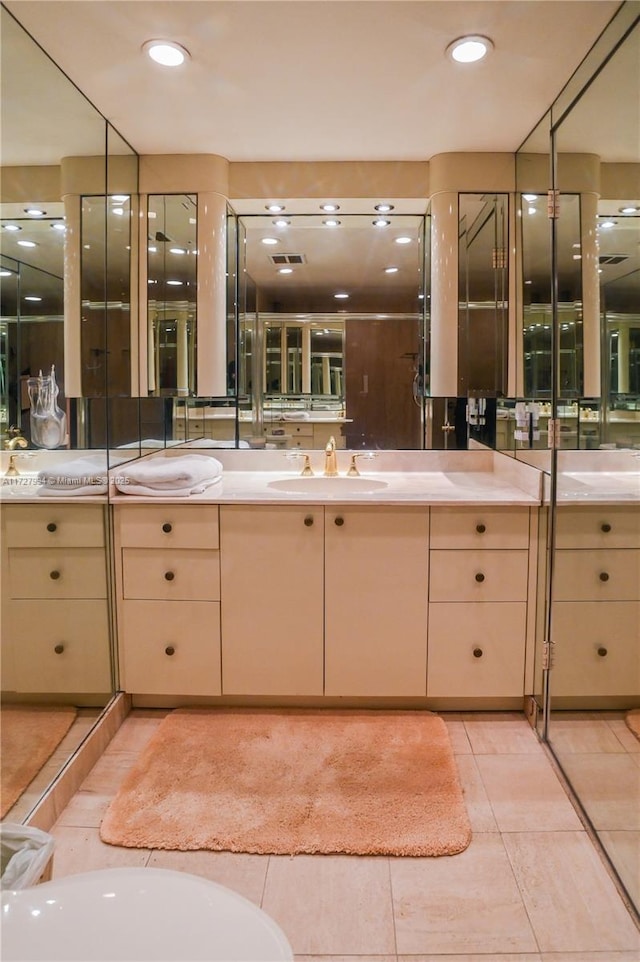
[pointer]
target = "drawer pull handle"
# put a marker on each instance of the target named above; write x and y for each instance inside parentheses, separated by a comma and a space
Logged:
(59, 649)
(169, 650)
(479, 576)
(339, 522)
(481, 528)
(602, 652)
(169, 576)
(605, 527)
(308, 521)
(52, 526)
(167, 527)
(54, 575)
(604, 576)
(477, 652)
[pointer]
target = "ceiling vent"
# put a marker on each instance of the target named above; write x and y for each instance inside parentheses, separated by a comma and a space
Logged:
(281, 259)
(613, 258)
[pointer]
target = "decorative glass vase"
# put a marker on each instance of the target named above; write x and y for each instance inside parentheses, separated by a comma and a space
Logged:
(48, 421)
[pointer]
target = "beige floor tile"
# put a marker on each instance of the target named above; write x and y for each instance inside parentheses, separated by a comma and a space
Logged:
(623, 848)
(457, 736)
(244, 874)
(584, 735)
(508, 957)
(589, 957)
(511, 735)
(475, 796)
(347, 958)
(526, 794)
(608, 787)
(624, 734)
(136, 730)
(571, 901)
(331, 904)
(463, 903)
(80, 850)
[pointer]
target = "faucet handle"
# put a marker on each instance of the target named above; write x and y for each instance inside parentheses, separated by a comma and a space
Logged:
(307, 470)
(353, 467)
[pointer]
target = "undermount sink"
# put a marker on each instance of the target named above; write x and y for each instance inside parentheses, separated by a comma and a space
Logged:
(322, 485)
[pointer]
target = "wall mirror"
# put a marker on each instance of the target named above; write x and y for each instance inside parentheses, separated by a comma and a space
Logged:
(58, 312)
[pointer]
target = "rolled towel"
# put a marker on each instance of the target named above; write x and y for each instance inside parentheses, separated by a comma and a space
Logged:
(177, 476)
(214, 443)
(81, 477)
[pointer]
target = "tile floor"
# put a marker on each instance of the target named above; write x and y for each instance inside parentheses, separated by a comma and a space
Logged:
(531, 887)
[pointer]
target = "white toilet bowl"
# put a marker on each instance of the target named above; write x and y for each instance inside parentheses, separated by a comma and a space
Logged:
(137, 915)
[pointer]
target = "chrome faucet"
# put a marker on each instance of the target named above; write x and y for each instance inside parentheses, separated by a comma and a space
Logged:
(330, 460)
(15, 440)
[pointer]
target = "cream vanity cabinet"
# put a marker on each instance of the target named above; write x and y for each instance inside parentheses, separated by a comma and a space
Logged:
(596, 601)
(167, 567)
(480, 583)
(55, 614)
(322, 600)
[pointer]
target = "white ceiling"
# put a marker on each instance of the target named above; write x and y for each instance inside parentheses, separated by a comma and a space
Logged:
(298, 80)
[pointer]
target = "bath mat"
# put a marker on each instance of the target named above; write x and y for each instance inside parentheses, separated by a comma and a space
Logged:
(288, 782)
(29, 735)
(632, 719)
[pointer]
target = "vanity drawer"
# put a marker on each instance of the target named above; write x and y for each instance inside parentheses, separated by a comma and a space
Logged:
(66, 651)
(304, 430)
(478, 575)
(602, 526)
(480, 527)
(168, 526)
(476, 650)
(187, 574)
(596, 648)
(57, 573)
(53, 526)
(160, 657)
(596, 575)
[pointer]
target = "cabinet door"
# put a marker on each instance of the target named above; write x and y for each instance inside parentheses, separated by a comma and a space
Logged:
(596, 648)
(271, 561)
(376, 582)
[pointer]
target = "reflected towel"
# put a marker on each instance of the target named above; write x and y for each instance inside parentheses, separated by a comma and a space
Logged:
(179, 476)
(81, 477)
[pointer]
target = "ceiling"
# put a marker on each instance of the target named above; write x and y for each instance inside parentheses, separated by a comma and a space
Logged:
(320, 80)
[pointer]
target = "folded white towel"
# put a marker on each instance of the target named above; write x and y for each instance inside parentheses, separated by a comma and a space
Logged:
(213, 443)
(80, 491)
(190, 474)
(295, 415)
(81, 476)
(143, 491)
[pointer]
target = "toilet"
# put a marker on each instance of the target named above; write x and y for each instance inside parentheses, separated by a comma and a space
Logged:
(137, 915)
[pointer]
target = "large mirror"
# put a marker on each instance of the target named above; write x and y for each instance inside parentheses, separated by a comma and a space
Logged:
(65, 341)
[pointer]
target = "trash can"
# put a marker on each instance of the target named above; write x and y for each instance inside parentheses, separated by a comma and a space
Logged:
(26, 856)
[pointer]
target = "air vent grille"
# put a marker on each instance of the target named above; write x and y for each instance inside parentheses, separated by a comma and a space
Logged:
(281, 259)
(613, 258)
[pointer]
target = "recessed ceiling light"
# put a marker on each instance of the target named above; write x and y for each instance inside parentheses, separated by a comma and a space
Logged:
(629, 210)
(58, 226)
(529, 198)
(282, 222)
(27, 244)
(391, 270)
(275, 208)
(469, 49)
(119, 198)
(32, 297)
(177, 250)
(605, 225)
(381, 222)
(11, 227)
(175, 283)
(269, 240)
(532, 210)
(331, 222)
(34, 211)
(329, 208)
(118, 210)
(341, 295)
(166, 52)
(285, 270)
(383, 208)
(152, 250)
(403, 240)
(4, 273)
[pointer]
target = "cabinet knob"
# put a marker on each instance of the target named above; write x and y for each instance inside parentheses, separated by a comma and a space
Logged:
(602, 652)
(169, 650)
(603, 576)
(59, 649)
(477, 652)
(479, 576)
(339, 522)
(606, 527)
(481, 528)
(54, 575)
(52, 526)
(167, 527)
(169, 576)
(308, 521)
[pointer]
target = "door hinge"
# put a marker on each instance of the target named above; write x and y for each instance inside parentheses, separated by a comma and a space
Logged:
(547, 655)
(553, 204)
